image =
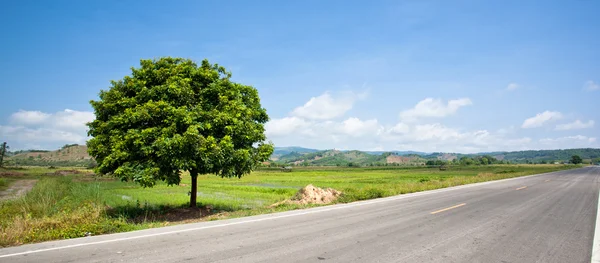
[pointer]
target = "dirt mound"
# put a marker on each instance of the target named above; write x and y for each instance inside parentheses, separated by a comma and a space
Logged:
(312, 195)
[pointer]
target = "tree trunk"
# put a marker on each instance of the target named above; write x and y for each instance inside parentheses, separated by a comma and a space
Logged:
(193, 194)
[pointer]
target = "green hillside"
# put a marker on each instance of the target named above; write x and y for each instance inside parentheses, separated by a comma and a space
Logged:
(76, 155)
(281, 151)
(360, 158)
(334, 158)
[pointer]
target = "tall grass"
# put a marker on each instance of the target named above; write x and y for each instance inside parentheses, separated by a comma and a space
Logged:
(56, 208)
(3, 184)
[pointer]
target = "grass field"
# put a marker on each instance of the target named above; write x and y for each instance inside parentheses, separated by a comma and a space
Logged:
(76, 205)
(3, 183)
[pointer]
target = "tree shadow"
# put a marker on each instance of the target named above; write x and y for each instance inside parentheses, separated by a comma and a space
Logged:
(146, 213)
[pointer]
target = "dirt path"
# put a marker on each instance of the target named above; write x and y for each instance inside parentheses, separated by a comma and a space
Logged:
(17, 189)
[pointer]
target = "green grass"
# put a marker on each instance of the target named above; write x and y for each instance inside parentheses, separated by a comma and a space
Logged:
(71, 206)
(56, 208)
(3, 184)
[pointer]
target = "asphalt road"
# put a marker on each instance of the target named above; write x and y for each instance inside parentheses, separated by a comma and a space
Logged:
(543, 218)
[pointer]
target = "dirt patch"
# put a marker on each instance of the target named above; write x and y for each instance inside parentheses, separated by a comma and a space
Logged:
(70, 172)
(311, 195)
(10, 174)
(66, 172)
(175, 215)
(17, 189)
(400, 159)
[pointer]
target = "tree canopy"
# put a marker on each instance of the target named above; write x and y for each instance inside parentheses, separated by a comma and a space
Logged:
(575, 159)
(172, 115)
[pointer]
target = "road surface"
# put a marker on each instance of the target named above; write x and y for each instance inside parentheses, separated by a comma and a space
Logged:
(542, 218)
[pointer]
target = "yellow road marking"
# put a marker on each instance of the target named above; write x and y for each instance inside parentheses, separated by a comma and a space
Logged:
(523, 187)
(446, 209)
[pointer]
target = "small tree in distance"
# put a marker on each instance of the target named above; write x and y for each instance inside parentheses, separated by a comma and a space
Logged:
(575, 159)
(3, 148)
(172, 115)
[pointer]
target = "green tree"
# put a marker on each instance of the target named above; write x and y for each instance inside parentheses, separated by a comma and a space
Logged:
(3, 149)
(466, 161)
(575, 159)
(484, 161)
(172, 115)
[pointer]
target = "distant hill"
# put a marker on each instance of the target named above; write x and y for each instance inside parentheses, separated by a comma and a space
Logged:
(397, 152)
(347, 158)
(550, 155)
(336, 157)
(280, 151)
(76, 155)
(327, 157)
(68, 155)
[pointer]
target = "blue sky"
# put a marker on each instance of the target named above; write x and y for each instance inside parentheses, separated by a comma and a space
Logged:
(453, 76)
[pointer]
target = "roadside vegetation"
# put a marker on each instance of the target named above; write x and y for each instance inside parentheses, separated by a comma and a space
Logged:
(77, 203)
(3, 184)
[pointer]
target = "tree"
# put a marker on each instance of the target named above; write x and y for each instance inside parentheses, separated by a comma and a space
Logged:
(575, 159)
(466, 161)
(3, 149)
(172, 115)
(484, 161)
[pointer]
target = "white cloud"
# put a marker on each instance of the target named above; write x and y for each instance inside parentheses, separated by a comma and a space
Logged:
(283, 126)
(400, 128)
(29, 117)
(577, 141)
(575, 125)
(434, 131)
(591, 86)
(430, 107)
(326, 107)
(512, 86)
(21, 134)
(46, 130)
(356, 128)
(355, 133)
(71, 119)
(539, 119)
(67, 119)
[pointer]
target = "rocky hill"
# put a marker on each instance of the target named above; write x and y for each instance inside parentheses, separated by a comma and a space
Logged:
(68, 155)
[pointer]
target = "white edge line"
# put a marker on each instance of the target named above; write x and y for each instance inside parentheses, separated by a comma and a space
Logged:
(596, 244)
(317, 210)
